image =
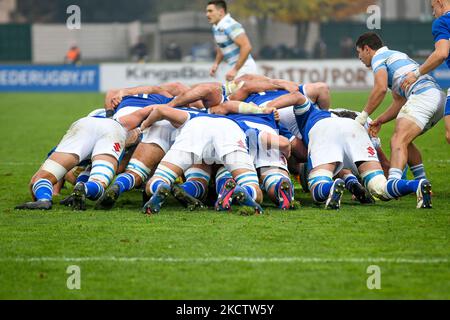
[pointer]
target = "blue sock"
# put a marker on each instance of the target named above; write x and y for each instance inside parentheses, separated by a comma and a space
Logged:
(194, 189)
(397, 188)
(419, 172)
(83, 177)
(155, 185)
(322, 191)
(94, 190)
(43, 190)
(350, 180)
(222, 180)
(251, 191)
(125, 181)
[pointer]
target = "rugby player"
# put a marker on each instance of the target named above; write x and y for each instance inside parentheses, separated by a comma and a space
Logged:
(441, 34)
(416, 110)
(211, 145)
(333, 141)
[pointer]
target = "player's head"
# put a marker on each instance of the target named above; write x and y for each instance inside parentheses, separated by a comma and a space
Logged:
(216, 10)
(367, 45)
(344, 113)
(440, 7)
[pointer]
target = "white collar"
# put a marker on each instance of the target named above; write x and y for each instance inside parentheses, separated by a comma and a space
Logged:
(381, 50)
(222, 21)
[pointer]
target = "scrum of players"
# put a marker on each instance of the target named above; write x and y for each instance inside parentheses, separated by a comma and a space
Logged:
(234, 144)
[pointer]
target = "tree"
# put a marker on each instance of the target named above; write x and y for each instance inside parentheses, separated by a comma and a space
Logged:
(298, 12)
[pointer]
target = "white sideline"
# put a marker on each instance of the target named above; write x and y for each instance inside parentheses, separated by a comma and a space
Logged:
(206, 260)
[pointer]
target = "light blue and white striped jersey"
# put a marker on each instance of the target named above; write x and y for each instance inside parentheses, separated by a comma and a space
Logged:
(398, 65)
(225, 33)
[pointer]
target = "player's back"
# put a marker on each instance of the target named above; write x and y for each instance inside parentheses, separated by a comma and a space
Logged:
(307, 116)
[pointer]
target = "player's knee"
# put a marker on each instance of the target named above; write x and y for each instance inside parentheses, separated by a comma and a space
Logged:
(139, 170)
(376, 183)
(52, 171)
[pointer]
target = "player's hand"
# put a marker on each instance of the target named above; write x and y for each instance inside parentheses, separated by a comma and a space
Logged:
(374, 128)
(410, 79)
(362, 118)
(291, 87)
(213, 70)
(276, 115)
(231, 74)
(269, 110)
(117, 99)
(133, 137)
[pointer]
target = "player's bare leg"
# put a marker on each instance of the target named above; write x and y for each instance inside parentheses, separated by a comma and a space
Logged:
(145, 158)
(41, 185)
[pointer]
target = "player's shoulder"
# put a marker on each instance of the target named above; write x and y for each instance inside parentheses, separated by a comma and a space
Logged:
(441, 24)
(442, 21)
(229, 22)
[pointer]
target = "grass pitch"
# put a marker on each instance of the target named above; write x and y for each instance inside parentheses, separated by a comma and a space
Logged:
(304, 254)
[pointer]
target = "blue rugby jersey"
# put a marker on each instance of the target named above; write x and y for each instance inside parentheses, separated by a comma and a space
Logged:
(441, 30)
(263, 97)
(143, 100)
(307, 116)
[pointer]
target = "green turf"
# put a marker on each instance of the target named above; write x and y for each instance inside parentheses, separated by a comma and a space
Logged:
(33, 123)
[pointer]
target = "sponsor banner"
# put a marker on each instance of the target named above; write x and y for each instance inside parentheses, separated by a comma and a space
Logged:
(49, 78)
(129, 75)
(339, 74)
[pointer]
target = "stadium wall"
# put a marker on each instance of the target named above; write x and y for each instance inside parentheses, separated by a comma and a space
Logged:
(339, 74)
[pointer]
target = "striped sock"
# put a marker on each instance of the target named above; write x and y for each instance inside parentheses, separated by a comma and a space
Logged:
(43, 190)
(194, 189)
(222, 177)
(419, 172)
(321, 191)
(251, 191)
(350, 180)
(155, 185)
(83, 177)
(395, 174)
(94, 190)
(397, 188)
(125, 181)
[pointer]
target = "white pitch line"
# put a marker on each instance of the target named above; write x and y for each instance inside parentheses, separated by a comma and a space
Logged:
(20, 163)
(261, 260)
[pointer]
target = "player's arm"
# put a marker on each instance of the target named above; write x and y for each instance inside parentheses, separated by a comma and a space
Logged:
(114, 97)
(292, 99)
(217, 61)
(376, 96)
(390, 114)
(245, 48)
(439, 55)
(319, 93)
(162, 112)
(249, 87)
(175, 88)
